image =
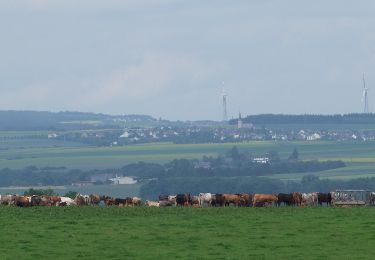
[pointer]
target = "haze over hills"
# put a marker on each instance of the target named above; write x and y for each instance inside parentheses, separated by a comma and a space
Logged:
(13, 120)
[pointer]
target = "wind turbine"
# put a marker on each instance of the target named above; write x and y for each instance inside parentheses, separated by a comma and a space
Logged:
(224, 100)
(365, 96)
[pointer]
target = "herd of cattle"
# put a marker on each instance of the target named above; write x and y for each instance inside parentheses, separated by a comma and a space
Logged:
(183, 200)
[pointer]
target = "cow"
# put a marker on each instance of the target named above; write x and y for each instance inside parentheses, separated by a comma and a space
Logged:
(372, 198)
(95, 199)
(286, 198)
(324, 198)
(82, 200)
(164, 203)
(310, 199)
(263, 199)
(297, 199)
(231, 199)
(218, 200)
(183, 200)
(120, 202)
(195, 201)
(205, 198)
(22, 201)
(54, 200)
(246, 200)
(8, 200)
(136, 201)
(150, 203)
(67, 201)
(172, 200)
(109, 201)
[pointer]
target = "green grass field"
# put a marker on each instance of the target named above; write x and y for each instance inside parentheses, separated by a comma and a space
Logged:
(175, 233)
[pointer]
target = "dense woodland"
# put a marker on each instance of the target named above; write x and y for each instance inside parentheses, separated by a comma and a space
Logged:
(42, 120)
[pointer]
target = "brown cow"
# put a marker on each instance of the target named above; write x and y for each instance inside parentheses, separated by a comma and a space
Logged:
(109, 201)
(81, 200)
(246, 200)
(95, 199)
(262, 199)
(22, 201)
(297, 199)
(231, 198)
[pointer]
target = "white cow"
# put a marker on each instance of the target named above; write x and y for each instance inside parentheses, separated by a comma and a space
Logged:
(172, 199)
(205, 198)
(68, 201)
(310, 199)
(150, 203)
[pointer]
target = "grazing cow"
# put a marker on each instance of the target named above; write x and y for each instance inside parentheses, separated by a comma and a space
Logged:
(231, 199)
(150, 203)
(205, 198)
(183, 200)
(286, 198)
(263, 199)
(297, 199)
(246, 200)
(324, 198)
(310, 199)
(136, 201)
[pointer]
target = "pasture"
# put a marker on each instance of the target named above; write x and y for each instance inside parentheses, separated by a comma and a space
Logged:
(186, 233)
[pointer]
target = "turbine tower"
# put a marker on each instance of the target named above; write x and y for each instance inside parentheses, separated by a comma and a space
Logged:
(365, 96)
(224, 100)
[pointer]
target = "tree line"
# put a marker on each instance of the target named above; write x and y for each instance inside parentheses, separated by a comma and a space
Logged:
(266, 119)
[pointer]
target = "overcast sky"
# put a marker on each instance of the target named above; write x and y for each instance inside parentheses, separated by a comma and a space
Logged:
(168, 58)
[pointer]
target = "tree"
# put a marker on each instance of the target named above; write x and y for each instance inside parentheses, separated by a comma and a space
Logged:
(234, 153)
(71, 194)
(294, 156)
(39, 192)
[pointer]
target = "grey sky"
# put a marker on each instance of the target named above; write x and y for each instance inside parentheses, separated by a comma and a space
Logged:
(168, 58)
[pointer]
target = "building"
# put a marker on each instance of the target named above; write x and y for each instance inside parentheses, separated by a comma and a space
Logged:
(123, 180)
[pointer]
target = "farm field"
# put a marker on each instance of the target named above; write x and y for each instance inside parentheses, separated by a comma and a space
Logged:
(187, 233)
(85, 157)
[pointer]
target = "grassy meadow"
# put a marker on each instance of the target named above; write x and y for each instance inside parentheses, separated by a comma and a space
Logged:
(186, 233)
